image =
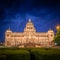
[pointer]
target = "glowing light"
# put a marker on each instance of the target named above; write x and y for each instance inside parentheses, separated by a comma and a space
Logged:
(58, 27)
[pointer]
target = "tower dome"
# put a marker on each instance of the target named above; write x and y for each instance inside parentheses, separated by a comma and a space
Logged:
(8, 30)
(50, 30)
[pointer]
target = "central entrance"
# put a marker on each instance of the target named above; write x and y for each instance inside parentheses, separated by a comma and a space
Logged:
(29, 45)
(29, 32)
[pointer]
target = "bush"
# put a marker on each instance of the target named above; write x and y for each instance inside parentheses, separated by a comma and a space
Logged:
(2, 57)
(30, 54)
(43, 54)
(18, 57)
(14, 55)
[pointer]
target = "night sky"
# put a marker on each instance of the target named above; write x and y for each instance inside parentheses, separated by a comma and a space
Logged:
(45, 15)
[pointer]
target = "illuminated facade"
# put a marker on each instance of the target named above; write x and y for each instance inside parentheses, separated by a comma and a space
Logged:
(29, 38)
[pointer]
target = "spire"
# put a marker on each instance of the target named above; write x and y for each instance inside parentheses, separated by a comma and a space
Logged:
(29, 20)
(9, 28)
(50, 29)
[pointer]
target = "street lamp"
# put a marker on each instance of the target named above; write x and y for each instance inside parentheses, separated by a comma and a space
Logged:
(58, 27)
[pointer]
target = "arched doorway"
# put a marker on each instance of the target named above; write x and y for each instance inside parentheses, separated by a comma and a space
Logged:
(29, 45)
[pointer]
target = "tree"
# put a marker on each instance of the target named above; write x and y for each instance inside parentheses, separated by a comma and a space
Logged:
(57, 37)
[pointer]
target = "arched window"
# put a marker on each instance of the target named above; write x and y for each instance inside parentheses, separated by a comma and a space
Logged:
(29, 27)
(7, 34)
(51, 35)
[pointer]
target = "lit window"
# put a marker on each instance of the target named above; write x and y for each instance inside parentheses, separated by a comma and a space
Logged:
(7, 34)
(51, 35)
(29, 27)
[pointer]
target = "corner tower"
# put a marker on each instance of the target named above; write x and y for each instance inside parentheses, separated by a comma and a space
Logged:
(8, 37)
(51, 35)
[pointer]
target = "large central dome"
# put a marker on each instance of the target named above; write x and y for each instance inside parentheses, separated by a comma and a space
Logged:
(29, 26)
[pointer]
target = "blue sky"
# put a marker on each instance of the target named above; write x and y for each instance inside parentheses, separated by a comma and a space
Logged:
(45, 15)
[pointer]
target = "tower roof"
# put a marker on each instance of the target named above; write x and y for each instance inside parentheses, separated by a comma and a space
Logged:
(8, 30)
(50, 30)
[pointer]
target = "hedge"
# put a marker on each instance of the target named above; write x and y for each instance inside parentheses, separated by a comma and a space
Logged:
(30, 54)
(45, 54)
(14, 55)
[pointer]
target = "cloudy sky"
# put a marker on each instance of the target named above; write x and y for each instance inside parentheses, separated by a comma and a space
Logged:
(45, 15)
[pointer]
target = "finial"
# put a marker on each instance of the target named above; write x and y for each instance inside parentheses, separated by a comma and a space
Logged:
(9, 28)
(29, 20)
(50, 29)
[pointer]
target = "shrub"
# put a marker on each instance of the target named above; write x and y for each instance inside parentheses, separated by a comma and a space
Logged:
(2, 57)
(14, 55)
(43, 54)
